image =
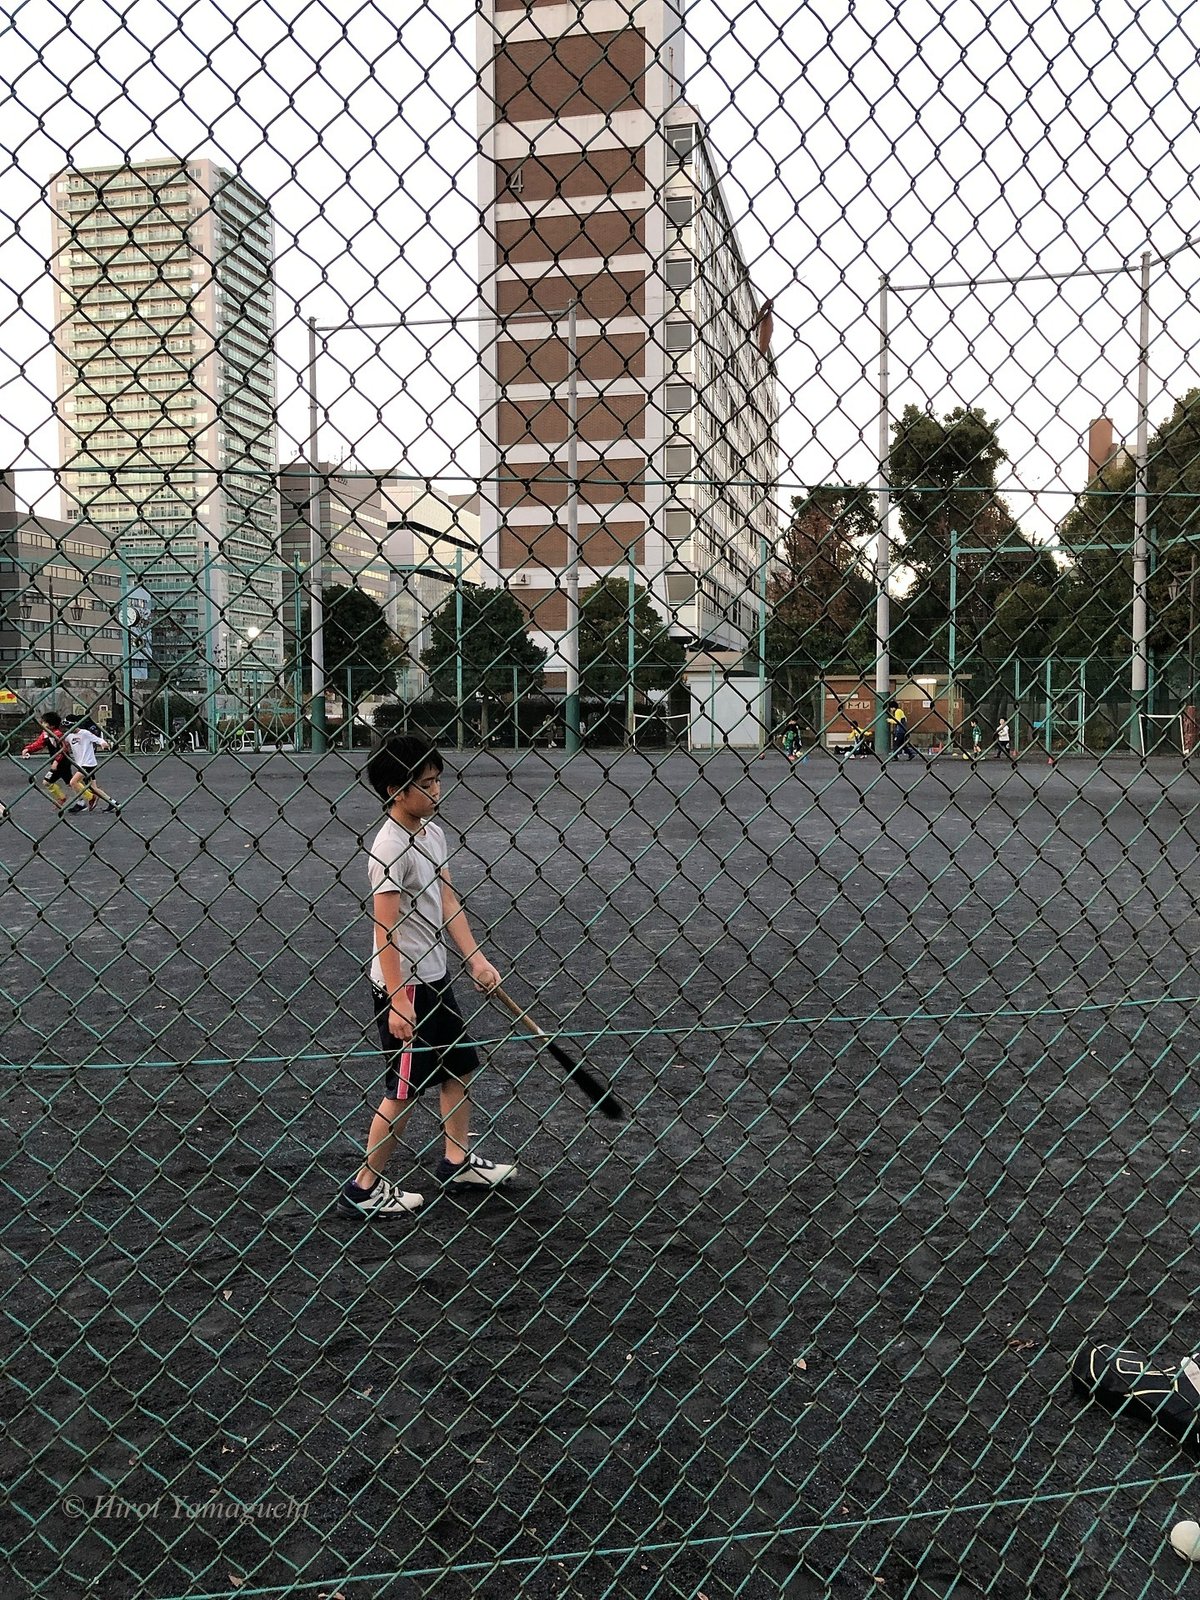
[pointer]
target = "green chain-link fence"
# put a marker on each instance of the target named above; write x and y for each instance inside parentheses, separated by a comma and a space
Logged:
(760, 449)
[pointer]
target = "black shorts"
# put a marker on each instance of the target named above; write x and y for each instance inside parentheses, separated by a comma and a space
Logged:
(440, 1051)
(60, 770)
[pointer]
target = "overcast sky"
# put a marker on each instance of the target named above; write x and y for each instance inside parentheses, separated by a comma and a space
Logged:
(925, 141)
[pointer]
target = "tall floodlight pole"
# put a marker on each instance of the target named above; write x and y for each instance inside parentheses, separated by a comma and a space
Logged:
(570, 649)
(316, 556)
(631, 646)
(764, 721)
(1140, 620)
(570, 645)
(458, 644)
(883, 545)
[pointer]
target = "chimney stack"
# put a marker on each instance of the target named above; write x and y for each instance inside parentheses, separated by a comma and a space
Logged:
(8, 493)
(1100, 447)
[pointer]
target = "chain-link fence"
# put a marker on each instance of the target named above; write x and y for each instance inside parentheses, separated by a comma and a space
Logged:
(760, 450)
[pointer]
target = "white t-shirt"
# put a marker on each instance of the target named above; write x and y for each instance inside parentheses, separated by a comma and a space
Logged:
(1002, 735)
(82, 745)
(401, 863)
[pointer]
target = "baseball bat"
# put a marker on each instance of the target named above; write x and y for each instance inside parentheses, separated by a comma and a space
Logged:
(596, 1091)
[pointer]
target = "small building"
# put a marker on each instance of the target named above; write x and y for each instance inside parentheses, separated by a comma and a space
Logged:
(730, 708)
(433, 543)
(60, 624)
(934, 707)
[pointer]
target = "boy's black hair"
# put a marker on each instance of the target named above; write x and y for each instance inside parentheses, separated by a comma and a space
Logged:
(53, 718)
(399, 762)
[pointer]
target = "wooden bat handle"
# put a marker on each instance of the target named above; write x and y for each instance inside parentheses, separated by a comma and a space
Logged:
(522, 1017)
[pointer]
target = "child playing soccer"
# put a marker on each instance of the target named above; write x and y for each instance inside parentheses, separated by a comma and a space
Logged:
(421, 1031)
(52, 741)
(82, 743)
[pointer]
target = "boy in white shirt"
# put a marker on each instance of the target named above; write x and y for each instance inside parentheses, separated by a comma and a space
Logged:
(414, 910)
(82, 743)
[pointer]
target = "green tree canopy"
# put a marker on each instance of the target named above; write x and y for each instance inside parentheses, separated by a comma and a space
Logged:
(494, 641)
(1099, 534)
(604, 641)
(820, 594)
(943, 475)
(818, 591)
(361, 651)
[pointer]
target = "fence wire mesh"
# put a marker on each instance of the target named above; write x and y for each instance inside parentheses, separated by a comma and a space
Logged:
(760, 450)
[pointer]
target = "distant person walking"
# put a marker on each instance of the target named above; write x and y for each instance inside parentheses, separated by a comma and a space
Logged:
(1003, 740)
(976, 741)
(901, 745)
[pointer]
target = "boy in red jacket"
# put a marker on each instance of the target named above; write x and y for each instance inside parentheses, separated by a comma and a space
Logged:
(52, 742)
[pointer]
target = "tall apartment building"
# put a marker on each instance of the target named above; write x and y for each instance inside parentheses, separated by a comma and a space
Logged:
(164, 331)
(600, 186)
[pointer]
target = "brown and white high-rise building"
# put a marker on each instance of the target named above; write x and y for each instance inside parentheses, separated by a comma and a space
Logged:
(600, 186)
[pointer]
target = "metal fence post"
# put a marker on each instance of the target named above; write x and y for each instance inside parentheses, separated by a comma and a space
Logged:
(883, 548)
(572, 739)
(316, 558)
(1140, 619)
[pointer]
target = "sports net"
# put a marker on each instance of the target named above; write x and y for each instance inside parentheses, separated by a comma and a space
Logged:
(761, 451)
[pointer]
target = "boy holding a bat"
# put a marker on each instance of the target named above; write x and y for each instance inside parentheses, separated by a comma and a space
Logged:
(421, 1031)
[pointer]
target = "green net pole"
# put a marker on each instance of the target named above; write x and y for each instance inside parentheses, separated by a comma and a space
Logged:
(316, 569)
(210, 669)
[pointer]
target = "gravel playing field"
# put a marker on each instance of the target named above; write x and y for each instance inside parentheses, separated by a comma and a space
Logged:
(909, 1059)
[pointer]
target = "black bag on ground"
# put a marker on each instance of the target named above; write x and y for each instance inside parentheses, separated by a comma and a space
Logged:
(1166, 1391)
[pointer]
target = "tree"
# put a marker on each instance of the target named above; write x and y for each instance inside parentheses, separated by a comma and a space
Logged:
(361, 651)
(1099, 533)
(494, 642)
(818, 594)
(943, 476)
(604, 641)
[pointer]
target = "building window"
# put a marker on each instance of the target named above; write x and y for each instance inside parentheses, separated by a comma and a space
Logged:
(677, 524)
(679, 210)
(677, 336)
(680, 142)
(678, 273)
(677, 460)
(677, 397)
(681, 588)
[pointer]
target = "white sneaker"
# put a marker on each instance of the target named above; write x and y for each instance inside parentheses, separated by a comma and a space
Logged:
(383, 1200)
(474, 1170)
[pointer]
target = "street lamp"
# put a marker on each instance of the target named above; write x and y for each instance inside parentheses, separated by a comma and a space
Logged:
(417, 571)
(570, 580)
(442, 576)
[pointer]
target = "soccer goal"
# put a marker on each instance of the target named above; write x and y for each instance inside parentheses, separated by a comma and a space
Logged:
(674, 726)
(1163, 733)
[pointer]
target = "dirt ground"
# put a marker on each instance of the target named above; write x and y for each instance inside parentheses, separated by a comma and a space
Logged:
(908, 1054)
